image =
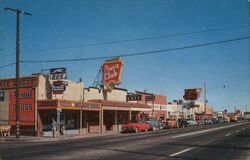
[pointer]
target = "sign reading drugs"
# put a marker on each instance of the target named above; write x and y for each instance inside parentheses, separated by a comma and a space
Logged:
(192, 94)
(112, 70)
(27, 107)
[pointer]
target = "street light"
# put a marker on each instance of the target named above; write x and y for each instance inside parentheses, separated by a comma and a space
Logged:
(18, 12)
(205, 94)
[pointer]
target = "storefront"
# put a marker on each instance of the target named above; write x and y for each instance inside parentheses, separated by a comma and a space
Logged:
(27, 95)
(117, 113)
(76, 117)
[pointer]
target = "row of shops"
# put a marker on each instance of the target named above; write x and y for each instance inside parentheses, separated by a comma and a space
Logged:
(79, 110)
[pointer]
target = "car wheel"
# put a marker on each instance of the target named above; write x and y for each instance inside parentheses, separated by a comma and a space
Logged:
(137, 130)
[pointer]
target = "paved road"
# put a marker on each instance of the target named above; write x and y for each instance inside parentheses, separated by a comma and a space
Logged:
(206, 142)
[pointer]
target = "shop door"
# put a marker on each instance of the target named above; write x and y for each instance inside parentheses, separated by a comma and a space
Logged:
(109, 119)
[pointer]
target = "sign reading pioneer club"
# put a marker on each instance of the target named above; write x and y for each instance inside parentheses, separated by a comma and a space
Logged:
(58, 87)
(112, 70)
(192, 94)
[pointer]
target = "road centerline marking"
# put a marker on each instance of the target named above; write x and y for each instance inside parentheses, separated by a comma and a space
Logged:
(204, 131)
(185, 150)
(237, 131)
(228, 134)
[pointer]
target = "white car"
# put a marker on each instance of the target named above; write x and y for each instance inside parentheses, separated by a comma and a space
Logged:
(192, 123)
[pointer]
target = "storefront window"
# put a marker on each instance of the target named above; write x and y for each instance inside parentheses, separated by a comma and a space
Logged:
(70, 118)
(46, 118)
(122, 117)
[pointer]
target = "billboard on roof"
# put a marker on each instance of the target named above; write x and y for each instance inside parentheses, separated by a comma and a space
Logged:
(111, 73)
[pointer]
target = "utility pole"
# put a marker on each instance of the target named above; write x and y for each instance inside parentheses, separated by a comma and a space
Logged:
(205, 98)
(18, 12)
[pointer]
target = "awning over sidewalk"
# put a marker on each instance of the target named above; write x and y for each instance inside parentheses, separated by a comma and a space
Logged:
(66, 104)
(127, 106)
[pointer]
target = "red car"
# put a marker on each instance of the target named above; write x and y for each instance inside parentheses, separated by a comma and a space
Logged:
(136, 127)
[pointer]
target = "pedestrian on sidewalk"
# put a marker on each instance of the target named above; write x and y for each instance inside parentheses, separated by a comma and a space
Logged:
(53, 127)
(62, 126)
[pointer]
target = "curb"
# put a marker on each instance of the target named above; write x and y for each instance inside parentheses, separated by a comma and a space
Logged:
(49, 139)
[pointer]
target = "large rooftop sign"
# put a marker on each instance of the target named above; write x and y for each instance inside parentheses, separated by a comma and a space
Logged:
(192, 94)
(58, 73)
(112, 70)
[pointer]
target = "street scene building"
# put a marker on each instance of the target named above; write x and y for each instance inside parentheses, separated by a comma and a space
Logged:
(85, 110)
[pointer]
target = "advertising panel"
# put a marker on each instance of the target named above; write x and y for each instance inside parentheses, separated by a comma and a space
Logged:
(58, 87)
(58, 73)
(150, 98)
(192, 94)
(27, 107)
(24, 82)
(133, 97)
(45, 104)
(112, 70)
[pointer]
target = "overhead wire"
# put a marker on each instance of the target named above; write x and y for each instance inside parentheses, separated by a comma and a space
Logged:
(128, 40)
(7, 65)
(136, 54)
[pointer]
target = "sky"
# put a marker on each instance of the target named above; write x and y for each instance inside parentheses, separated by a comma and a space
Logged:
(73, 25)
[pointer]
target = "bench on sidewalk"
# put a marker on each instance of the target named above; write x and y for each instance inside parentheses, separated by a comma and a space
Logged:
(5, 130)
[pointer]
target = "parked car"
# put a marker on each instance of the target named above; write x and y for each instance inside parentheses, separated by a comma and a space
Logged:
(208, 122)
(215, 121)
(171, 124)
(192, 123)
(200, 122)
(136, 126)
(155, 124)
(182, 122)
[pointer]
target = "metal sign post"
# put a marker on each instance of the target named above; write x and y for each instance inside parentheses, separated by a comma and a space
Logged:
(59, 110)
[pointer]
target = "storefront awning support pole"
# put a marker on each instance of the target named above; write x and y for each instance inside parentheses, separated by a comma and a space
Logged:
(205, 99)
(130, 115)
(80, 122)
(116, 124)
(58, 121)
(101, 120)
(18, 12)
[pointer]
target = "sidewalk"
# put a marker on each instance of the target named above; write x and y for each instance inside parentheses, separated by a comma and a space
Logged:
(32, 139)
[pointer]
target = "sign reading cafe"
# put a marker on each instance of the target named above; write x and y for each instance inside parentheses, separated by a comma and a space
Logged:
(112, 70)
(192, 94)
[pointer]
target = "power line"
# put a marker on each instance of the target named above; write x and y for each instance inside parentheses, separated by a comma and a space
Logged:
(7, 65)
(129, 40)
(137, 54)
